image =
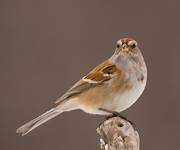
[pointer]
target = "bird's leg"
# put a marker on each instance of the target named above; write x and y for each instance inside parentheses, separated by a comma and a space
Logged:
(114, 114)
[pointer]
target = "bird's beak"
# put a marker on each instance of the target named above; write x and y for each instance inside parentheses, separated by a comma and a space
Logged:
(125, 48)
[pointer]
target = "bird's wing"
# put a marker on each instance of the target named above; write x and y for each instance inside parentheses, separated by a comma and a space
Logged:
(97, 76)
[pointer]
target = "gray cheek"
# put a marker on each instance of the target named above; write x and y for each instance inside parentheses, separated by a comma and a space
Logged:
(134, 57)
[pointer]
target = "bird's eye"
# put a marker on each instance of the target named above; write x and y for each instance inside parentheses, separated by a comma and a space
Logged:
(119, 44)
(132, 44)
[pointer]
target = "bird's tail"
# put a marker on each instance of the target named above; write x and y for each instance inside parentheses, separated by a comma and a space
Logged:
(29, 126)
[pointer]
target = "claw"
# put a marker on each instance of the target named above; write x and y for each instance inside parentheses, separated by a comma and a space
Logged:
(116, 114)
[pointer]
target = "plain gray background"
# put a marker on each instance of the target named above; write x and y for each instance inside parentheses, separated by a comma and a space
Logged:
(46, 46)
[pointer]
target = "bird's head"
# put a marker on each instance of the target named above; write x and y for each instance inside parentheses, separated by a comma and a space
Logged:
(126, 49)
(126, 45)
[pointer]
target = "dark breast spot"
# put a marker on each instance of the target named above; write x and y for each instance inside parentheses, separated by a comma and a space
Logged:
(141, 78)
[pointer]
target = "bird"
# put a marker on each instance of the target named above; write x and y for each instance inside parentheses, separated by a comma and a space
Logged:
(111, 87)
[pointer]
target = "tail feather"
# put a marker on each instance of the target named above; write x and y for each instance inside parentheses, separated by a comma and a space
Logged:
(29, 126)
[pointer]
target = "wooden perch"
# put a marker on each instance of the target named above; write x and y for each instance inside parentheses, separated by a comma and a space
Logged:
(118, 134)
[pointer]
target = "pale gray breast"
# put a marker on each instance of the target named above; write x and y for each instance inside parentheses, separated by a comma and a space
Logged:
(137, 66)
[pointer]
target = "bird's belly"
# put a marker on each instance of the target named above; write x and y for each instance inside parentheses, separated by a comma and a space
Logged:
(115, 98)
(122, 101)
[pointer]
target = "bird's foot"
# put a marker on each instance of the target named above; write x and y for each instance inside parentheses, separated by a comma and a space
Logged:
(124, 118)
(116, 114)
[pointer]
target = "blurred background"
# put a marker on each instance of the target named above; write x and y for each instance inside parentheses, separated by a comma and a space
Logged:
(47, 45)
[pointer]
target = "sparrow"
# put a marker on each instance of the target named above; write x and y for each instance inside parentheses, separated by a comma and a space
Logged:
(111, 87)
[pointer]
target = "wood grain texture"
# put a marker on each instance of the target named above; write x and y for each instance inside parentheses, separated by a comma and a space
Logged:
(118, 134)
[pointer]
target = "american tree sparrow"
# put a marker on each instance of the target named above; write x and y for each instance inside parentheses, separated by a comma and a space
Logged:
(112, 86)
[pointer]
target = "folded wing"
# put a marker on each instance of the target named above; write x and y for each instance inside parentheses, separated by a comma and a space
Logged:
(97, 76)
